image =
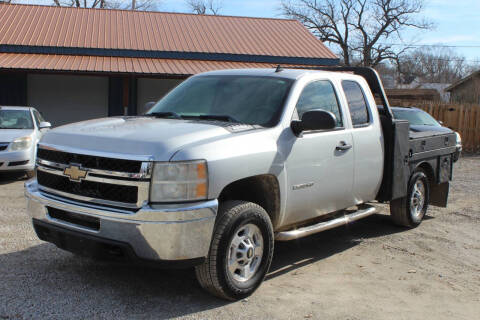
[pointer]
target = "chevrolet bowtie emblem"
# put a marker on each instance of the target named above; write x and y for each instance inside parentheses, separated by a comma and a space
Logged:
(75, 173)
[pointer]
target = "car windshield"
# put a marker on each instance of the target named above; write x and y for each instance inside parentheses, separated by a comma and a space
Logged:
(245, 99)
(15, 119)
(416, 117)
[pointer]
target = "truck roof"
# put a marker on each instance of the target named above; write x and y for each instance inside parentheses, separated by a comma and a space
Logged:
(270, 72)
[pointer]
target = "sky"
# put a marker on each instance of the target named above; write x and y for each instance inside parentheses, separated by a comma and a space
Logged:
(456, 21)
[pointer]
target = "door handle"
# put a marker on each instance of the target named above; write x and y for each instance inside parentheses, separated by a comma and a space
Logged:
(343, 146)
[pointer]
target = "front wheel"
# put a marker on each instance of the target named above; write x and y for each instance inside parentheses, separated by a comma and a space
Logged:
(410, 210)
(240, 253)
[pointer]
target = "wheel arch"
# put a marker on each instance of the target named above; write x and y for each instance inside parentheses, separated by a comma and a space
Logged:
(263, 190)
(429, 170)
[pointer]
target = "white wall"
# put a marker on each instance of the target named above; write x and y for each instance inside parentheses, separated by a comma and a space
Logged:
(68, 98)
(152, 90)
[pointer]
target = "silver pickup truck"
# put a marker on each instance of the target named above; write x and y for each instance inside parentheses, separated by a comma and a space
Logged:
(227, 163)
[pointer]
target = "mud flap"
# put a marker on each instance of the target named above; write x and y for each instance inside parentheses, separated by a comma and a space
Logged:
(439, 194)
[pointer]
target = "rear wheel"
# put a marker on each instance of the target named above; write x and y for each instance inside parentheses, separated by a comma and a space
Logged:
(410, 210)
(240, 253)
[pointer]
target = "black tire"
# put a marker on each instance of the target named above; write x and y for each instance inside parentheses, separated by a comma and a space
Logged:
(456, 156)
(403, 211)
(213, 275)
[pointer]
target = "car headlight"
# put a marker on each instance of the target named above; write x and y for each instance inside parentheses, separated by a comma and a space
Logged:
(21, 143)
(459, 139)
(179, 181)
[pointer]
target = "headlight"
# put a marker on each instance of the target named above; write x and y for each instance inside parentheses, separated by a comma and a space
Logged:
(459, 139)
(21, 143)
(179, 181)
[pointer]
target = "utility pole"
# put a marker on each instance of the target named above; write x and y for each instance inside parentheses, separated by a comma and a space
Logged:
(133, 4)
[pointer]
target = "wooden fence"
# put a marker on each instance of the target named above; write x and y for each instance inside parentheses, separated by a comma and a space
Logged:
(463, 118)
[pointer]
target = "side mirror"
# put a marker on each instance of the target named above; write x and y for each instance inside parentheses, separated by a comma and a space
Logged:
(441, 122)
(44, 125)
(314, 120)
(147, 106)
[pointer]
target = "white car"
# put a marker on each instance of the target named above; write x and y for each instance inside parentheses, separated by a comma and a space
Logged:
(20, 130)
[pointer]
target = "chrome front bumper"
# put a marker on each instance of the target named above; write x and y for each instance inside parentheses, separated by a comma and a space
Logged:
(7, 157)
(163, 232)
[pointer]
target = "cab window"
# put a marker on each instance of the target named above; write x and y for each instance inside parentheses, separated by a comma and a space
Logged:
(357, 103)
(319, 95)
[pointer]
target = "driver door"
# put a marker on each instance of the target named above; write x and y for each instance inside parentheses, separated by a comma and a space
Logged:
(319, 174)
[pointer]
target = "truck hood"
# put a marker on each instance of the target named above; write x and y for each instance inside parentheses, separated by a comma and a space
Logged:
(144, 138)
(8, 135)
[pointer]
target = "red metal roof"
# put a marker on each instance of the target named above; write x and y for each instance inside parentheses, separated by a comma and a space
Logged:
(54, 38)
(145, 66)
(33, 25)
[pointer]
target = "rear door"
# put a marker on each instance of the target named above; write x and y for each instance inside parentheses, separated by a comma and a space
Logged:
(320, 176)
(367, 141)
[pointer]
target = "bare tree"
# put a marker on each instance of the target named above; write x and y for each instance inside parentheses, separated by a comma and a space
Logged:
(432, 64)
(363, 30)
(140, 5)
(110, 4)
(81, 3)
(205, 6)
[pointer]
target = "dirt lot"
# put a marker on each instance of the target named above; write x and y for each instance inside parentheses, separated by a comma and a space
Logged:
(367, 270)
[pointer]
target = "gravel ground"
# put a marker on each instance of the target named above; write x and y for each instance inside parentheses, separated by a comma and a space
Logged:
(367, 270)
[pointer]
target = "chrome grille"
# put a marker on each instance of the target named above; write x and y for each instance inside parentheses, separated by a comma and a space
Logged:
(99, 190)
(3, 146)
(108, 181)
(92, 162)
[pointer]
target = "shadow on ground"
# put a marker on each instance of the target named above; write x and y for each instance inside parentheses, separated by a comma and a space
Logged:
(295, 254)
(69, 285)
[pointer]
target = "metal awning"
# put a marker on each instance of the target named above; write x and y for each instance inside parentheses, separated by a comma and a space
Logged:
(139, 66)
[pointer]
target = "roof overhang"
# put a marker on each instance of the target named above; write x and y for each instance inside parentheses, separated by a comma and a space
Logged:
(182, 55)
(119, 65)
(459, 82)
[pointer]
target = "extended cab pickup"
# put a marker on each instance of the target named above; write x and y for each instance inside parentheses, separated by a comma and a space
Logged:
(230, 161)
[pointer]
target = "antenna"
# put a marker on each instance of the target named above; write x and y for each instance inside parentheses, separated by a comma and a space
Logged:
(279, 68)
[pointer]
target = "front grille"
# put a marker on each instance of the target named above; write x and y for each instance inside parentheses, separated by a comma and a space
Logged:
(91, 162)
(105, 191)
(3, 146)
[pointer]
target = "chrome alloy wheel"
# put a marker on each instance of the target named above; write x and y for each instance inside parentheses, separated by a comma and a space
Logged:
(417, 199)
(245, 253)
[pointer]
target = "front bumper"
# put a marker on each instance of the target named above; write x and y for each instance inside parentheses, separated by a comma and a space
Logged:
(9, 158)
(457, 153)
(168, 233)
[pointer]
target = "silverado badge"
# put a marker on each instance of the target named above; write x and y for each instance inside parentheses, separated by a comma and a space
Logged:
(75, 173)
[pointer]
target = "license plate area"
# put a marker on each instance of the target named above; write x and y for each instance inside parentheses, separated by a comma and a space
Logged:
(80, 220)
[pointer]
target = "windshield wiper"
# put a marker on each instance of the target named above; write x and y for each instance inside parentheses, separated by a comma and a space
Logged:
(220, 117)
(165, 114)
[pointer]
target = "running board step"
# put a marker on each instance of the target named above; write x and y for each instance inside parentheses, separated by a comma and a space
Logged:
(362, 212)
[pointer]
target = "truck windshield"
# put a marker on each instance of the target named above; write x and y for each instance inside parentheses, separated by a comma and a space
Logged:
(15, 119)
(245, 99)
